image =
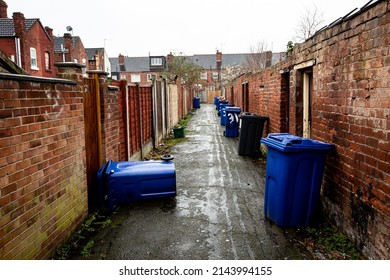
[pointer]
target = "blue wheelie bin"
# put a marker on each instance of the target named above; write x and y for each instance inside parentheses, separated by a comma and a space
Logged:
(232, 123)
(223, 117)
(294, 171)
(216, 100)
(220, 102)
(129, 181)
(196, 102)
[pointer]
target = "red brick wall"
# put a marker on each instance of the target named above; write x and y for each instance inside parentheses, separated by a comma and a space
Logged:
(123, 133)
(109, 99)
(37, 38)
(43, 192)
(8, 47)
(350, 107)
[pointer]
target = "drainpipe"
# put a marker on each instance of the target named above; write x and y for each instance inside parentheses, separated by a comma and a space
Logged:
(140, 120)
(18, 52)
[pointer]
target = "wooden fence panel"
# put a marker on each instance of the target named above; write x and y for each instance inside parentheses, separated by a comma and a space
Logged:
(92, 137)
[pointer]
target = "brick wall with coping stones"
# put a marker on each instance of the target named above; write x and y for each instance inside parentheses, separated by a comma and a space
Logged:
(43, 189)
(351, 109)
(110, 120)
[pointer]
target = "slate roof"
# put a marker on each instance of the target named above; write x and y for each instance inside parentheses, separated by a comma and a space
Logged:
(132, 64)
(206, 61)
(7, 26)
(58, 41)
(91, 52)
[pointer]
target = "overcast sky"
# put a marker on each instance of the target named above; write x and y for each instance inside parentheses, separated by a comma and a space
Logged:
(140, 27)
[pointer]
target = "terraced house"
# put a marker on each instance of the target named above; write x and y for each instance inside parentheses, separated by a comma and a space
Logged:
(27, 42)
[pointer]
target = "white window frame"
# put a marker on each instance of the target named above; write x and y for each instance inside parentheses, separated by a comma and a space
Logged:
(135, 78)
(47, 61)
(156, 61)
(123, 77)
(150, 77)
(203, 76)
(33, 59)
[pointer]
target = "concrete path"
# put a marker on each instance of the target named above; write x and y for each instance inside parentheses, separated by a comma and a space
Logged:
(218, 211)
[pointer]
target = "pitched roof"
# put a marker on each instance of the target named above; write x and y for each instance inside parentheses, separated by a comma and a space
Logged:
(7, 28)
(8, 66)
(92, 51)
(132, 64)
(206, 61)
(58, 41)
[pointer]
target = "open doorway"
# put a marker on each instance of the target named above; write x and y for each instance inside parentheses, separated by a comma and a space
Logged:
(285, 102)
(303, 101)
(245, 97)
(307, 99)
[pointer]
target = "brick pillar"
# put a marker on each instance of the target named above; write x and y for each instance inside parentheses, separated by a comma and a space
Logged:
(70, 71)
(68, 46)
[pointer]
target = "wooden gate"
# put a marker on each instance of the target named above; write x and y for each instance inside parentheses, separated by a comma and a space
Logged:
(93, 139)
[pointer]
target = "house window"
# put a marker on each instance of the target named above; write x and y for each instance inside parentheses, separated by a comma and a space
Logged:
(123, 77)
(156, 61)
(47, 60)
(33, 58)
(215, 75)
(135, 78)
(203, 76)
(150, 77)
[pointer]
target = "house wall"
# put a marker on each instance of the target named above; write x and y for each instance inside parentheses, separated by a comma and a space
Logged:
(43, 189)
(143, 76)
(8, 47)
(37, 38)
(350, 107)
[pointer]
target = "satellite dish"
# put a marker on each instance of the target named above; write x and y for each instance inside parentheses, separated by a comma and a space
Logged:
(69, 28)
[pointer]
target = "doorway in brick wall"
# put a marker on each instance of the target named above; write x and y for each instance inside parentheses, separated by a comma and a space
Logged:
(303, 99)
(307, 99)
(245, 97)
(285, 102)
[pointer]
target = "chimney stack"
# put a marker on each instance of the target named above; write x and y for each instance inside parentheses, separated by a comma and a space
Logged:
(68, 46)
(19, 24)
(3, 9)
(218, 58)
(121, 59)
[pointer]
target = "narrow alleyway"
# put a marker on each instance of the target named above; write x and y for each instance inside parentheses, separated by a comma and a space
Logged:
(218, 211)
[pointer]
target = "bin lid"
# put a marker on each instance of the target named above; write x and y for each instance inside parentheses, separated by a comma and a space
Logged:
(290, 143)
(233, 109)
(246, 115)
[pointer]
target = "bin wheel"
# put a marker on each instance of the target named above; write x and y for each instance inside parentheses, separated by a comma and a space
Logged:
(167, 157)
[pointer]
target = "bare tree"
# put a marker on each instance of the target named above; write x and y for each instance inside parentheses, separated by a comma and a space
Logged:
(181, 66)
(309, 23)
(258, 58)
